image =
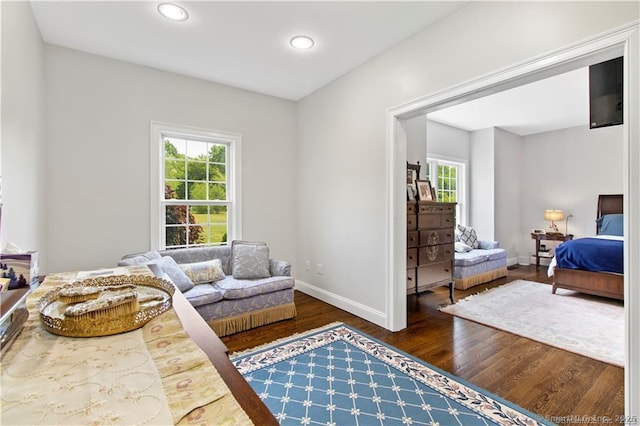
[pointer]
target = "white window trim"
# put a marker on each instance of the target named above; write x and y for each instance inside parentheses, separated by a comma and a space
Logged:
(156, 167)
(464, 192)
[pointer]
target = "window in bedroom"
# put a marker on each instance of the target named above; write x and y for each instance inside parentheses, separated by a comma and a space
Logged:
(196, 189)
(448, 178)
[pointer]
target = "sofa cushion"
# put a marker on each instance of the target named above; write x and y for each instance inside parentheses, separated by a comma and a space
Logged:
(467, 235)
(237, 289)
(494, 254)
(470, 258)
(203, 294)
(249, 260)
(240, 307)
(204, 272)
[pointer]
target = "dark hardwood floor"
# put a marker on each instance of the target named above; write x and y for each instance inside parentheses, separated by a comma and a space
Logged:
(553, 383)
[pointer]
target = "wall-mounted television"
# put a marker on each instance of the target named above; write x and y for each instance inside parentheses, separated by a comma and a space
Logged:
(605, 93)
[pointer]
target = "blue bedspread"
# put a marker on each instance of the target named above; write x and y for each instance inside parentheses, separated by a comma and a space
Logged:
(591, 254)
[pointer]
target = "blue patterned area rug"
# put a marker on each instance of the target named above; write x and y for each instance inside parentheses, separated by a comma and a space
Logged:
(340, 376)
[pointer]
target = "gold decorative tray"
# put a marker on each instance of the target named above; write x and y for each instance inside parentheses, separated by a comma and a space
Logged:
(52, 310)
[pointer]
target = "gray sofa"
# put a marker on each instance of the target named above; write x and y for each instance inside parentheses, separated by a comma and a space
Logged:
(234, 288)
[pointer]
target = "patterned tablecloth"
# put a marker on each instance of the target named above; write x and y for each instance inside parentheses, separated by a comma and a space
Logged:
(150, 376)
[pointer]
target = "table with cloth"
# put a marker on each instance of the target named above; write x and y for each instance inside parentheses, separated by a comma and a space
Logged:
(153, 375)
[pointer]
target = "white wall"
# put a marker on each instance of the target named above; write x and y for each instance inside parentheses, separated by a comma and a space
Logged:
(507, 192)
(342, 151)
(426, 138)
(447, 142)
(482, 187)
(99, 112)
(450, 143)
(416, 129)
(566, 170)
(23, 148)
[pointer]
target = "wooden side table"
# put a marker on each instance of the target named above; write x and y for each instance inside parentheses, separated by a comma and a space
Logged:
(547, 237)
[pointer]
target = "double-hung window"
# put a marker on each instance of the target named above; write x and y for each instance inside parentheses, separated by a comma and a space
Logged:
(448, 178)
(195, 187)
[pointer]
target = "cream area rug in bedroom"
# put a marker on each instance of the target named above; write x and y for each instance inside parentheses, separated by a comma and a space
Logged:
(583, 324)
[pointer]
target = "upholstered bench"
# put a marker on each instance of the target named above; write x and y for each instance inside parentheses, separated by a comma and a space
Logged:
(234, 288)
(476, 261)
(479, 266)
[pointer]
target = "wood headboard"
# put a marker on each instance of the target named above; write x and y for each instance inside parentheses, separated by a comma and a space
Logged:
(609, 204)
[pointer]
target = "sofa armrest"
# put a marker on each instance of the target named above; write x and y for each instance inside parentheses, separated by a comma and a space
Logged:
(279, 268)
(487, 245)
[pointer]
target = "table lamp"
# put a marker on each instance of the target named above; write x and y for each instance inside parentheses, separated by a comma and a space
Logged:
(553, 215)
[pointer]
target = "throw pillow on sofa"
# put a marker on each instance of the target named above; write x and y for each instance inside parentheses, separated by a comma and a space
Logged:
(204, 272)
(166, 263)
(468, 236)
(249, 260)
(170, 267)
(235, 243)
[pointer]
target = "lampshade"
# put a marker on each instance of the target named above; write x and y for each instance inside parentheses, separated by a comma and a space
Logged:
(553, 215)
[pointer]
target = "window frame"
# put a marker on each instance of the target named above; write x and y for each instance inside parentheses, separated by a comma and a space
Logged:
(233, 202)
(462, 184)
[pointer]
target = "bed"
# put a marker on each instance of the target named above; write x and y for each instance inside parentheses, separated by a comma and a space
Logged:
(576, 268)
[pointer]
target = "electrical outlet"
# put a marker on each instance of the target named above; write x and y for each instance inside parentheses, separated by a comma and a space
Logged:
(307, 265)
(319, 268)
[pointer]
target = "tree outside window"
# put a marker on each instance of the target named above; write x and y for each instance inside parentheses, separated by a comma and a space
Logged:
(195, 192)
(447, 177)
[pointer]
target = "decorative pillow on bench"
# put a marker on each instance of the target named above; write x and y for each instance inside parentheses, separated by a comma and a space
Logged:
(461, 247)
(467, 235)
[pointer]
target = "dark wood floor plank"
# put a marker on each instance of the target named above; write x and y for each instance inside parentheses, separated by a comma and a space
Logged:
(597, 398)
(548, 381)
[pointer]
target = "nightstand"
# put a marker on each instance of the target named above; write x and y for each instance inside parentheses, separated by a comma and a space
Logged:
(548, 237)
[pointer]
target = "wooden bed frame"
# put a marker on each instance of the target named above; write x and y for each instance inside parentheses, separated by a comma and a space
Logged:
(597, 283)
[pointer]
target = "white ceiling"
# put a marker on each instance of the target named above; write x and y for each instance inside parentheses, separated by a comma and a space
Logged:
(246, 45)
(241, 44)
(554, 103)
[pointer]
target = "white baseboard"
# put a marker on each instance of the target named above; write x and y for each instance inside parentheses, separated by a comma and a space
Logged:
(544, 261)
(524, 260)
(512, 261)
(348, 305)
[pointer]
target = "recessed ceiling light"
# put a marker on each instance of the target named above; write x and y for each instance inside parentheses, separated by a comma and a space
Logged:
(302, 42)
(173, 12)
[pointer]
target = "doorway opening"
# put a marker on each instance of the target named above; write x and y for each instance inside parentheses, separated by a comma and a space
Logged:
(624, 42)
